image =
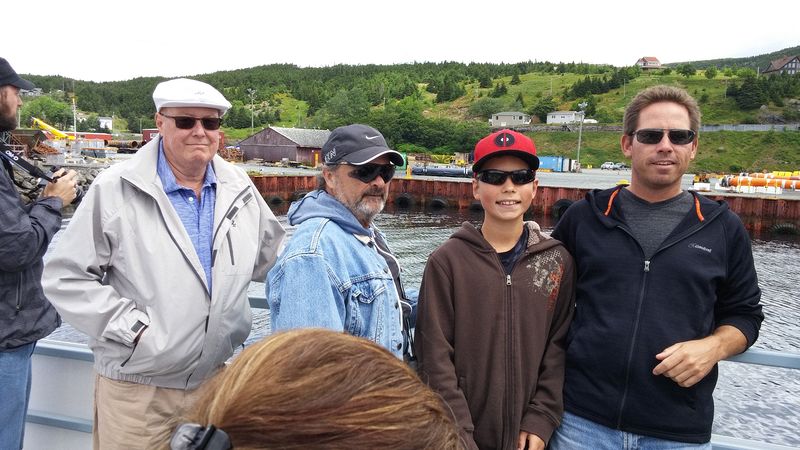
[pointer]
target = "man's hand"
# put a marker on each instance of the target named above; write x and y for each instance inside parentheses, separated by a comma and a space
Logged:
(686, 363)
(63, 187)
(532, 441)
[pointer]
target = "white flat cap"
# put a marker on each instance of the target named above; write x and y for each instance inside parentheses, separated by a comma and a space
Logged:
(186, 93)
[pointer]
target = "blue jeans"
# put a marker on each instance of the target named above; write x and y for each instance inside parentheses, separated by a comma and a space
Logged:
(15, 389)
(577, 433)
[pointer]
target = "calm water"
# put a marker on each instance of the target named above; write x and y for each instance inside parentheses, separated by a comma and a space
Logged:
(752, 402)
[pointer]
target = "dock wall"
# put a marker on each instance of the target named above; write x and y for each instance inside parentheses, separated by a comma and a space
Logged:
(759, 214)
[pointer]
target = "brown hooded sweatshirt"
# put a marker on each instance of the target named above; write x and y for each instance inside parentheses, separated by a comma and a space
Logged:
(493, 344)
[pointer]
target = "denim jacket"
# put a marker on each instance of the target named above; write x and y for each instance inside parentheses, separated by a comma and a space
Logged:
(330, 275)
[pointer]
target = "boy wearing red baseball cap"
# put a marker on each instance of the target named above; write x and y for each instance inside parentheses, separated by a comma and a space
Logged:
(494, 309)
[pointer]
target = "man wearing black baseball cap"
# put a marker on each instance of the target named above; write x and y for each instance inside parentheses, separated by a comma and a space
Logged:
(10, 85)
(25, 232)
(337, 271)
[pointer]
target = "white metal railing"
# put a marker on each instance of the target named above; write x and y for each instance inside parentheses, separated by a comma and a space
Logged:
(71, 364)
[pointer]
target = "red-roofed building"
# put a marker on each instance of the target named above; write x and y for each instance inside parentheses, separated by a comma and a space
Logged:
(787, 64)
(648, 63)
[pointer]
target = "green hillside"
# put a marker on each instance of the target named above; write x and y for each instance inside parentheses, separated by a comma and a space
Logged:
(752, 62)
(444, 107)
(721, 152)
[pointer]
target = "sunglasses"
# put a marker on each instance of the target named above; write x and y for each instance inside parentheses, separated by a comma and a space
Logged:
(187, 123)
(654, 136)
(365, 173)
(498, 177)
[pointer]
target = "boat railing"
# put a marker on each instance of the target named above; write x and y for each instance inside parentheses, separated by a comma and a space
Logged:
(63, 404)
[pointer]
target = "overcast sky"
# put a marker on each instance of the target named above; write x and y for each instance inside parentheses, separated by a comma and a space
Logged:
(119, 40)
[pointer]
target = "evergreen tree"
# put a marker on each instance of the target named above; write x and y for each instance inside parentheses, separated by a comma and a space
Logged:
(499, 90)
(515, 79)
(519, 100)
(542, 108)
(751, 95)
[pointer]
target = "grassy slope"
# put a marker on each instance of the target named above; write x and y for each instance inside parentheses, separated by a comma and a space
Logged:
(293, 112)
(718, 152)
(723, 151)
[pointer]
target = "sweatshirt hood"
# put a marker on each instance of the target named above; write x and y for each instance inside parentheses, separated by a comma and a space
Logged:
(537, 240)
(606, 209)
(320, 204)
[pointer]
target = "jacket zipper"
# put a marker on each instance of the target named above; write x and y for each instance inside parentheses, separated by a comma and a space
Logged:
(230, 214)
(509, 357)
(645, 271)
(633, 342)
(509, 437)
(19, 294)
(129, 356)
(230, 245)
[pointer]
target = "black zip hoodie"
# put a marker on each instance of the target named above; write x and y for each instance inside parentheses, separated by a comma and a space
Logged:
(629, 309)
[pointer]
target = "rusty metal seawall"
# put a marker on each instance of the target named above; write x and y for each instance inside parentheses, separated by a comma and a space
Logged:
(759, 213)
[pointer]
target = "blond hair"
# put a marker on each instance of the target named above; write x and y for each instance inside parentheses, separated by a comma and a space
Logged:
(321, 389)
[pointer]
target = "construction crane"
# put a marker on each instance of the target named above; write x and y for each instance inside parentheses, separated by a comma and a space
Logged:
(40, 124)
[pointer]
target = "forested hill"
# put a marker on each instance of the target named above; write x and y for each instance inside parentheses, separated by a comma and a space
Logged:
(753, 62)
(436, 107)
(131, 99)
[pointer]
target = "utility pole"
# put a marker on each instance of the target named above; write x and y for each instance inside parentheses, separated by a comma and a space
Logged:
(252, 93)
(582, 106)
(74, 113)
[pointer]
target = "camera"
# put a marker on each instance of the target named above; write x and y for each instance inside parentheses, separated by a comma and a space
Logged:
(53, 178)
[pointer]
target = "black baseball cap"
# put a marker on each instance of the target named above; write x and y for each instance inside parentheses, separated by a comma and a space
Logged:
(357, 144)
(8, 76)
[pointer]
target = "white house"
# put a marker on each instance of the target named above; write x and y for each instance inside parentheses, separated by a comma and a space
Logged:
(106, 122)
(563, 117)
(509, 119)
(648, 62)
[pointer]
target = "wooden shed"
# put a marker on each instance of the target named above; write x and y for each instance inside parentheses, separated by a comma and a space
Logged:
(274, 144)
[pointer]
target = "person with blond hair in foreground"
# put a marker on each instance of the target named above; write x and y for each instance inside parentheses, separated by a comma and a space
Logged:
(314, 388)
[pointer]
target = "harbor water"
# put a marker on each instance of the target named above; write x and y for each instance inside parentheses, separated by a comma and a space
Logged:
(752, 402)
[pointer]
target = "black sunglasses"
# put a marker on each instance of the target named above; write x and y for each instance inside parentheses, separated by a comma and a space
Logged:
(187, 123)
(498, 177)
(365, 173)
(654, 136)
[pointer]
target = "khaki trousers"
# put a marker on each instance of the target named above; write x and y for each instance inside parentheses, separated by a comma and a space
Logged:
(130, 416)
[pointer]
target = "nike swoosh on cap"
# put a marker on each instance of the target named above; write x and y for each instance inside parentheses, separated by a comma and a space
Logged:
(372, 137)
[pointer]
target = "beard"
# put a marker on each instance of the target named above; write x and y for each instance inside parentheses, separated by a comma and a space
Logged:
(8, 119)
(368, 206)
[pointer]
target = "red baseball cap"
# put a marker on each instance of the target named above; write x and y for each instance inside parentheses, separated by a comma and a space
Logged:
(505, 142)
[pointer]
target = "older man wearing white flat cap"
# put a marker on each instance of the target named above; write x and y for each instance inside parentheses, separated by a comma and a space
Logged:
(154, 267)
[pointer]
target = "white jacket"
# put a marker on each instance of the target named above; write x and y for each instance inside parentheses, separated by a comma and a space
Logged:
(125, 260)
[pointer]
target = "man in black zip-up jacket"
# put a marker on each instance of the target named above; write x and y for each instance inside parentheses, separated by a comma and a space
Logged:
(25, 232)
(666, 289)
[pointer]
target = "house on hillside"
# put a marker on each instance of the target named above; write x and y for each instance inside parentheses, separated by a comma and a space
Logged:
(563, 117)
(509, 119)
(106, 122)
(648, 63)
(273, 144)
(788, 64)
